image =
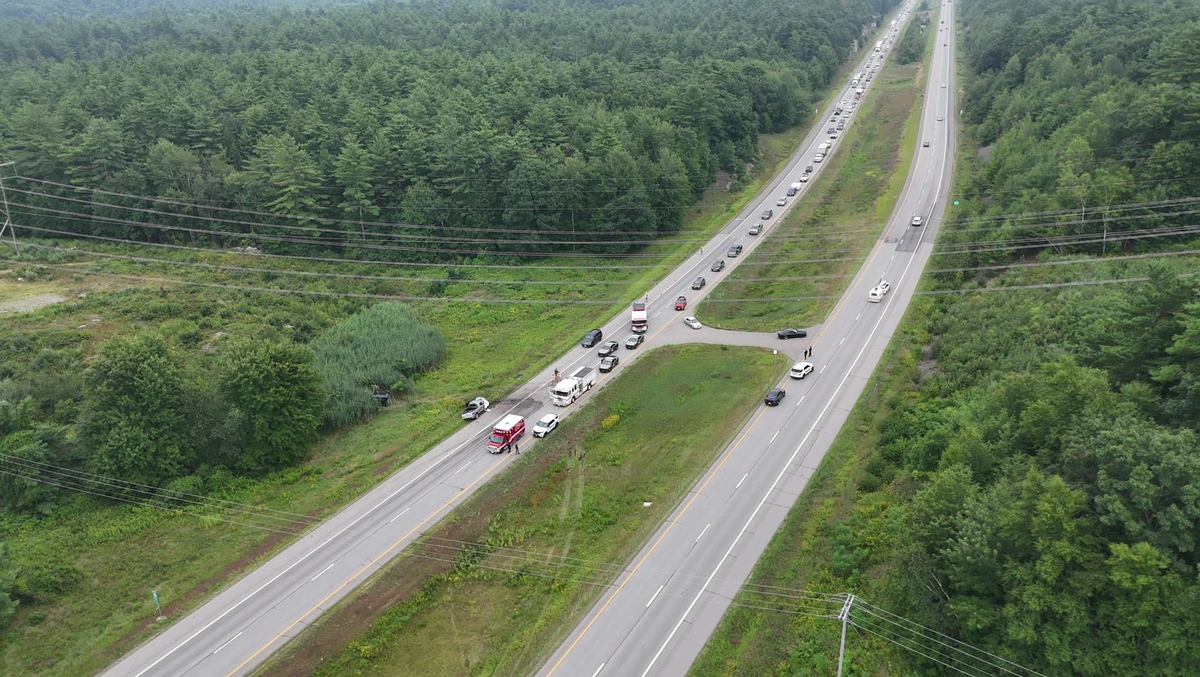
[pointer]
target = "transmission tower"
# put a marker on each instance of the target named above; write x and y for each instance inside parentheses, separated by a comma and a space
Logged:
(8, 224)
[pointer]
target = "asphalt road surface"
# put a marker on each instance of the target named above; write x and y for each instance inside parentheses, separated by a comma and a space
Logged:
(241, 626)
(663, 608)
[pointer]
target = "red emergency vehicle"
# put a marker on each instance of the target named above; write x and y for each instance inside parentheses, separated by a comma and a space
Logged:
(506, 434)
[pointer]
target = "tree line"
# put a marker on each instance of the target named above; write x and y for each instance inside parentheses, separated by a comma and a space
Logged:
(1038, 493)
(1080, 107)
(604, 122)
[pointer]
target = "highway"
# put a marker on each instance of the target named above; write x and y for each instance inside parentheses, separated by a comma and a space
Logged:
(663, 608)
(239, 628)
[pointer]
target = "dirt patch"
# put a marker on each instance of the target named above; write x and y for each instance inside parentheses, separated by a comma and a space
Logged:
(928, 366)
(30, 303)
(401, 579)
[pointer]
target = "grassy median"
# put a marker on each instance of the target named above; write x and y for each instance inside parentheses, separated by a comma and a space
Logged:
(495, 587)
(764, 637)
(100, 561)
(794, 278)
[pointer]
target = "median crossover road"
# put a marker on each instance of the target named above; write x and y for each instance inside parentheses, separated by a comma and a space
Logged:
(240, 627)
(661, 611)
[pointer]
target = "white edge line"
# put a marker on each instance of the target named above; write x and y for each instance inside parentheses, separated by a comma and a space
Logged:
(774, 484)
(371, 510)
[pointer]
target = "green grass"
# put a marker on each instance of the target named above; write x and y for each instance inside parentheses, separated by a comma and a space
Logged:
(804, 554)
(808, 552)
(825, 238)
(120, 553)
(647, 436)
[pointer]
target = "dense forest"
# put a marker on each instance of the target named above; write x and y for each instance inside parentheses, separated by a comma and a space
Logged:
(1043, 481)
(605, 122)
(598, 119)
(1082, 108)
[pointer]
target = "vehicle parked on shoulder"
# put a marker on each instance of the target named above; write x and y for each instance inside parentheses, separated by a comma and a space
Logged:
(791, 333)
(608, 348)
(800, 370)
(545, 424)
(774, 397)
(475, 408)
(506, 434)
(609, 363)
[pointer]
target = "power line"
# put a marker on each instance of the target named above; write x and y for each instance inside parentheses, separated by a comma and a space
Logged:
(315, 292)
(309, 273)
(884, 614)
(359, 233)
(905, 633)
(339, 244)
(293, 257)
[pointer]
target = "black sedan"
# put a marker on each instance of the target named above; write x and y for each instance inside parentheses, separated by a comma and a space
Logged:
(608, 348)
(609, 363)
(791, 333)
(634, 341)
(592, 338)
(774, 397)
(699, 283)
(718, 265)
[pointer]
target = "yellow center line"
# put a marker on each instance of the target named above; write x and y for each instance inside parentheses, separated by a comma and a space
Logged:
(360, 571)
(638, 566)
(656, 543)
(837, 310)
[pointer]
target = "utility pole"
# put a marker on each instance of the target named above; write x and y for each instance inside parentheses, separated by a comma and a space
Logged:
(8, 224)
(844, 617)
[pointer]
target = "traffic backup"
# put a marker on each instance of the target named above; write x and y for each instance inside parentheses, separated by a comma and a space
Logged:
(637, 323)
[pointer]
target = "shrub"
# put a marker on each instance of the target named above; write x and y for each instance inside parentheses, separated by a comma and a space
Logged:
(275, 390)
(133, 423)
(375, 348)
